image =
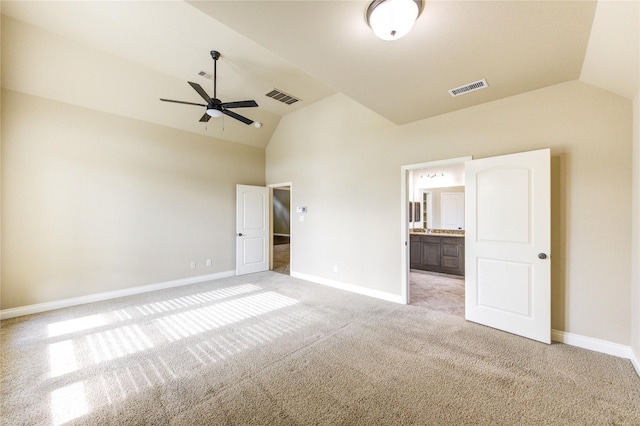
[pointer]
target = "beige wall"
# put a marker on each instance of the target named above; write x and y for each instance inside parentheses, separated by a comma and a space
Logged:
(355, 222)
(94, 202)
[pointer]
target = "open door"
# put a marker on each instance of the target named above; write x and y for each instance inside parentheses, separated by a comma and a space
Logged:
(508, 268)
(252, 225)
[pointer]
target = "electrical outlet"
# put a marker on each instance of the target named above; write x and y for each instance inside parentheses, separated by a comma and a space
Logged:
(193, 264)
(335, 268)
(208, 262)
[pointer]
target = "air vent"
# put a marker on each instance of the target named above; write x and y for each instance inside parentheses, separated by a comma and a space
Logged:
(206, 75)
(279, 95)
(471, 87)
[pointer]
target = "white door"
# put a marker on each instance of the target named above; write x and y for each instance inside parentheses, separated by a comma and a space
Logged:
(507, 267)
(252, 224)
(452, 210)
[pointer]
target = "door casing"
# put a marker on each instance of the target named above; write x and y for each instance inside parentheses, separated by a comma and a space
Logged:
(271, 187)
(404, 221)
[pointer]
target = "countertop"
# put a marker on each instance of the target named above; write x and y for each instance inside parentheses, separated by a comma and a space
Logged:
(437, 234)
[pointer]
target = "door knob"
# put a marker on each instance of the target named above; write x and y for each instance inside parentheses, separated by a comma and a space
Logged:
(542, 256)
(240, 234)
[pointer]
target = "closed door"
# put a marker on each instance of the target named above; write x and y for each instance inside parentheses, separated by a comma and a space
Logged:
(252, 225)
(508, 268)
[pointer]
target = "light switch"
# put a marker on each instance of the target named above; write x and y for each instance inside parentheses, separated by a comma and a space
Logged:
(301, 218)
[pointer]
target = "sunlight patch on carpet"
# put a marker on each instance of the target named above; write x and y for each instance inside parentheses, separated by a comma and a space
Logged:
(68, 403)
(168, 321)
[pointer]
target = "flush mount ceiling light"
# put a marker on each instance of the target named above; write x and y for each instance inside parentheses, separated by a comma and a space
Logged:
(393, 19)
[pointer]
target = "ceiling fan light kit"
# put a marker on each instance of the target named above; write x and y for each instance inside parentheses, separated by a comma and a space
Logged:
(393, 19)
(215, 107)
(214, 113)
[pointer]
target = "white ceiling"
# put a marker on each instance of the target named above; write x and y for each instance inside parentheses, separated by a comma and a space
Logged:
(121, 56)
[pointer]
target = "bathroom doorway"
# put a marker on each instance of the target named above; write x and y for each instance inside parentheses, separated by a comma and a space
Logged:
(434, 252)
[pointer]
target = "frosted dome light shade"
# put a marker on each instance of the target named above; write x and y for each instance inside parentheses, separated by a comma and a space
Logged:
(215, 113)
(393, 19)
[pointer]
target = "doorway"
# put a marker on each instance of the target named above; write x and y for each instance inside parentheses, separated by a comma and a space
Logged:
(436, 288)
(281, 228)
(506, 245)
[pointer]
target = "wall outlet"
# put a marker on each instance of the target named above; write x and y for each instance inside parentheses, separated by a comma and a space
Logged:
(193, 264)
(335, 268)
(208, 262)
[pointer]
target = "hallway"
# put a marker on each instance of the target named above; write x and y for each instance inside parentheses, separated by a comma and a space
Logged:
(281, 255)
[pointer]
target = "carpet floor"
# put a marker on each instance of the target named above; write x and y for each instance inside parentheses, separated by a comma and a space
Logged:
(269, 349)
(281, 258)
(437, 291)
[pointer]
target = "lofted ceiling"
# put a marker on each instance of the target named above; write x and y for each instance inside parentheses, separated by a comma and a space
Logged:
(121, 56)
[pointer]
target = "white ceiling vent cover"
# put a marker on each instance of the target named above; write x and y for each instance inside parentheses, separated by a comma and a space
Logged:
(471, 87)
(279, 95)
(206, 75)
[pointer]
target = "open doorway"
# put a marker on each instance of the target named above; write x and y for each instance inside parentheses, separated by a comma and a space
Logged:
(434, 232)
(281, 229)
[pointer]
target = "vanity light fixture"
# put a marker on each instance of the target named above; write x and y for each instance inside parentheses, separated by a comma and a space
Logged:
(393, 19)
(431, 176)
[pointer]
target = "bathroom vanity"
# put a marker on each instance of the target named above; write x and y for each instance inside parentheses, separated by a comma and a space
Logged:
(437, 252)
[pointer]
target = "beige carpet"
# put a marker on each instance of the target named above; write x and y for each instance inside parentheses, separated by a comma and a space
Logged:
(437, 291)
(268, 349)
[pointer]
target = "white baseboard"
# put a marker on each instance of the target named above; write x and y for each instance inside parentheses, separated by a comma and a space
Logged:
(635, 360)
(350, 287)
(65, 303)
(597, 345)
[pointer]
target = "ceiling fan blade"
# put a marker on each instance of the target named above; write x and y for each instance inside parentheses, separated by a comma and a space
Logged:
(206, 117)
(200, 91)
(232, 114)
(182, 102)
(239, 104)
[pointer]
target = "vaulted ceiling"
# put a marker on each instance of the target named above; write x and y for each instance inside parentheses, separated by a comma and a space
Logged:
(120, 57)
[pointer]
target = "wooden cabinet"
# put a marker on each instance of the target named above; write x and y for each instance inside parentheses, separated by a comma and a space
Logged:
(437, 253)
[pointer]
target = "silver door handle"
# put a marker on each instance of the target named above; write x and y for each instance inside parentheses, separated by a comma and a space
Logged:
(240, 234)
(542, 256)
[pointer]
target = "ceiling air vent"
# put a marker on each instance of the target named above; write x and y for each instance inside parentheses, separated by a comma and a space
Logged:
(205, 75)
(279, 95)
(471, 87)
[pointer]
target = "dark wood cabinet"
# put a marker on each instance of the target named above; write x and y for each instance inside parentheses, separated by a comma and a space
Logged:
(437, 253)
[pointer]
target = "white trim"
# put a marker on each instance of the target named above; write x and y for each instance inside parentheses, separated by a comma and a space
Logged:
(65, 303)
(635, 360)
(280, 185)
(597, 345)
(285, 186)
(350, 287)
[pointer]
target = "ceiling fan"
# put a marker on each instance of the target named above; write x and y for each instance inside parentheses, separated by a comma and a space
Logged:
(215, 107)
